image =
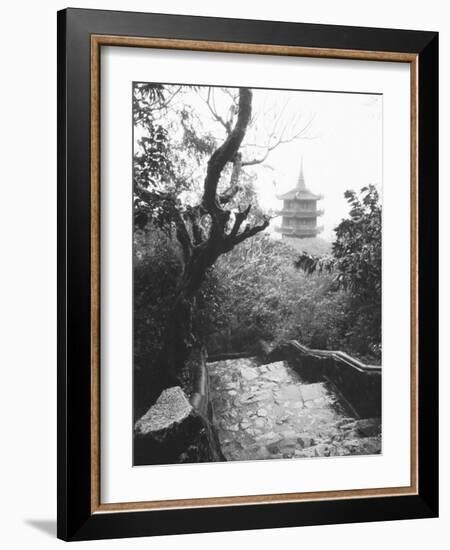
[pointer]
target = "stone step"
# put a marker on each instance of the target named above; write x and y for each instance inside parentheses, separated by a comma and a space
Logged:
(266, 411)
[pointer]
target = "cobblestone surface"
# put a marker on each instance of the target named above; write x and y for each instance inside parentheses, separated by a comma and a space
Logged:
(266, 411)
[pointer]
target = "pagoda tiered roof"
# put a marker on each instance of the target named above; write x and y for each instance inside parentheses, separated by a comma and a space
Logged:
(299, 192)
(299, 231)
(291, 213)
(301, 195)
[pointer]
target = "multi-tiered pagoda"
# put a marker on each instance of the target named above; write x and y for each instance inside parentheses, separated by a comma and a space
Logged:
(299, 211)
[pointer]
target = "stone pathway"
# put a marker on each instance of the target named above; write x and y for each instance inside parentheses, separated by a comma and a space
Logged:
(266, 411)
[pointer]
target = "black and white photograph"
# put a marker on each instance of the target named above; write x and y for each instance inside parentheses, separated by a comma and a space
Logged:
(257, 273)
(221, 300)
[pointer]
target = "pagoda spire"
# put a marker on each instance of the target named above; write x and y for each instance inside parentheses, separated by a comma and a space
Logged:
(301, 178)
(299, 213)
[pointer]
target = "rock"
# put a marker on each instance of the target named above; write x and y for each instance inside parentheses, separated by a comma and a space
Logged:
(265, 436)
(171, 407)
(171, 431)
(290, 392)
(313, 391)
(260, 423)
(288, 445)
(320, 450)
(289, 434)
(305, 441)
(368, 427)
(349, 427)
(249, 373)
(261, 412)
(273, 437)
(254, 448)
(277, 366)
(273, 448)
(363, 446)
(262, 395)
(247, 397)
(275, 376)
(370, 445)
(262, 454)
(311, 452)
(283, 419)
(348, 435)
(342, 451)
(325, 450)
(320, 402)
(351, 444)
(299, 454)
(344, 422)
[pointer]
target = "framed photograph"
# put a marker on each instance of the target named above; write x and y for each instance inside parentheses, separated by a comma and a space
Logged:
(247, 254)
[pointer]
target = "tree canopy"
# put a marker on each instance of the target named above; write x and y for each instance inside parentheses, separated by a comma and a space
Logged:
(356, 266)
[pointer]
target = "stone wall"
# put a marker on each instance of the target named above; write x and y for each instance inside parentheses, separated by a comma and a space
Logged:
(357, 383)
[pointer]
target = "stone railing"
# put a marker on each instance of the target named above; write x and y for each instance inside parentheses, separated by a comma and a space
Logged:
(359, 384)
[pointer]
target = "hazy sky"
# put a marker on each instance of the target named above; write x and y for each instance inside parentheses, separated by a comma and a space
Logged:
(342, 150)
(341, 145)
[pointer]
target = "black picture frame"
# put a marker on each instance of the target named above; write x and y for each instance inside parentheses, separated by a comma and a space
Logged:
(76, 520)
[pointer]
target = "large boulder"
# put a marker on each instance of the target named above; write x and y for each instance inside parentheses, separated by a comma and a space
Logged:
(171, 409)
(171, 431)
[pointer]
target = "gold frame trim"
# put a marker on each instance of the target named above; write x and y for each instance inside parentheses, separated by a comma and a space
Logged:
(262, 49)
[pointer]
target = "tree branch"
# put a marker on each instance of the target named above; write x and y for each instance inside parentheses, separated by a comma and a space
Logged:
(226, 152)
(216, 115)
(198, 231)
(233, 188)
(183, 237)
(280, 141)
(251, 231)
(232, 241)
(226, 197)
(238, 221)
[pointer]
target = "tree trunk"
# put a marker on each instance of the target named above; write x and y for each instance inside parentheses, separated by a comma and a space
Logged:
(200, 251)
(180, 337)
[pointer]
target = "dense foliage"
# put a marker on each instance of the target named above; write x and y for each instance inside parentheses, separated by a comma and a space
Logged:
(249, 288)
(263, 296)
(355, 264)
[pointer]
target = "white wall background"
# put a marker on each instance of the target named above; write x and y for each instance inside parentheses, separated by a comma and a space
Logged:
(28, 272)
